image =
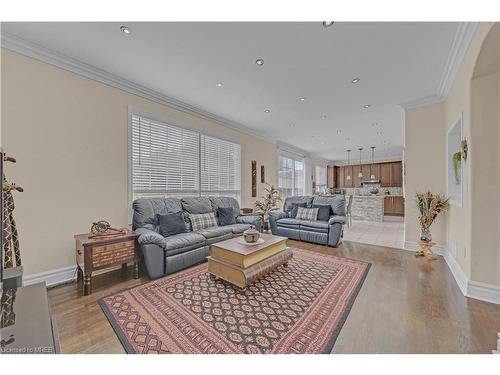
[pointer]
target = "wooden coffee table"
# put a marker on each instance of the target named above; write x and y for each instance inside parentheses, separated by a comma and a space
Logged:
(242, 264)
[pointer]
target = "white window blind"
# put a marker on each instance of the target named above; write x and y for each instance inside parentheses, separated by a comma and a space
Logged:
(169, 160)
(290, 176)
(220, 167)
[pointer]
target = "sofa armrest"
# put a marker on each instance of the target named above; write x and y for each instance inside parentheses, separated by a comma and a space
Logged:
(336, 220)
(276, 215)
(249, 219)
(150, 237)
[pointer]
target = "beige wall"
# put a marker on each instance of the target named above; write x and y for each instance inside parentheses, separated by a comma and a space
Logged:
(485, 229)
(69, 135)
(461, 222)
(425, 166)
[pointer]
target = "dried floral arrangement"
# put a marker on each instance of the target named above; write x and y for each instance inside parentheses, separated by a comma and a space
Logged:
(429, 206)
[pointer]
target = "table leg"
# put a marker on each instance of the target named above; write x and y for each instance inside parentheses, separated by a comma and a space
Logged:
(124, 270)
(136, 270)
(87, 284)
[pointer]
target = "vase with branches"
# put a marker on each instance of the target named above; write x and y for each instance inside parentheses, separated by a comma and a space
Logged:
(269, 202)
(429, 206)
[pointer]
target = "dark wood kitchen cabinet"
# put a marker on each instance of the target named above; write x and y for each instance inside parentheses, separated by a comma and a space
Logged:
(390, 174)
(375, 171)
(385, 174)
(394, 206)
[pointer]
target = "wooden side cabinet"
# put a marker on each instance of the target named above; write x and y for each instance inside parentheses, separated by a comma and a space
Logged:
(96, 254)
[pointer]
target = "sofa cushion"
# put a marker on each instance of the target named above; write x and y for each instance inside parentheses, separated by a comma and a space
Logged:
(307, 213)
(289, 222)
(226, 202)
(202, 221)
(197, 205)
(295, 209)
(183, 242)
(215, 231)
(324, 211)
(314, 226)
(171, 224)
(213, 240)
(337, 203)
(225, 215)
(146, 209)
(287, 206)
(238, 228)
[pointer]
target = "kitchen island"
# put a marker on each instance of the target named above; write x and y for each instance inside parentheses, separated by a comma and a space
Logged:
(367, 207)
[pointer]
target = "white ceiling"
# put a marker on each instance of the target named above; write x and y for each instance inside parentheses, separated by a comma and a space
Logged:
(396, 62)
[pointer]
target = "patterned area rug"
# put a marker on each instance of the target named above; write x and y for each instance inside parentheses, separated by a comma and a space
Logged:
(298, 309)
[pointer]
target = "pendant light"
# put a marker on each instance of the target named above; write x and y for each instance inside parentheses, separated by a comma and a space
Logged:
(360, 174)
(348, 177)
(372, 176)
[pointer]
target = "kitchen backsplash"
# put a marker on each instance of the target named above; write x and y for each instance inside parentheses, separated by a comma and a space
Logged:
(397, 191)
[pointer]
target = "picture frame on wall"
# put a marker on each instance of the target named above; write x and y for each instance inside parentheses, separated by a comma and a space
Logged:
(262, 174)
(454, 163)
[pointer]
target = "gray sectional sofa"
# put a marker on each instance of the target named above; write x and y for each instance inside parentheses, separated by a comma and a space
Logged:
(322, 232)
(164, 255)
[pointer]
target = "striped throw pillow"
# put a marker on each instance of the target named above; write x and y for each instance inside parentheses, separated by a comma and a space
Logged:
(202, 221)
(307, 213)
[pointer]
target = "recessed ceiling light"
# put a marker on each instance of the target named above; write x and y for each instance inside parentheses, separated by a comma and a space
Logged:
(267, 110)
(328, 23)
(302, 99)
(356, 80)
(219, 84)
(367, 106)
(259, 62)
(126, 30)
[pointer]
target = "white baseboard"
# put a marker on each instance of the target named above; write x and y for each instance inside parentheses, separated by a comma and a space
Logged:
(53, 277)
(484, 292)
(469, 288)
(413, 246)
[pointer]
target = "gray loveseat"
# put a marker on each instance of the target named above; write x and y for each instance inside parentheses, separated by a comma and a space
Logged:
(164, 255)
(322, 232)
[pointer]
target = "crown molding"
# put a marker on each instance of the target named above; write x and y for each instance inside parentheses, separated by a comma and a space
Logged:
(38, 52)
(461, 41)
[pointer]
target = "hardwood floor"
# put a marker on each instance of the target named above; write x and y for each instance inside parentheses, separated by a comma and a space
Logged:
(406, 305)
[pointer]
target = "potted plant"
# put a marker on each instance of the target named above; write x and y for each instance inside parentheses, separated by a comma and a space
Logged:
(270, 202)
(429, 206)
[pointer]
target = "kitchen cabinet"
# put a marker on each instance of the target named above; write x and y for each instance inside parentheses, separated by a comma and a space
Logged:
(385, 174)
(394, 206)
(348, 182)
(397, 174)
(365, 169)
(356, 180)
(390, 174)
(375, 171)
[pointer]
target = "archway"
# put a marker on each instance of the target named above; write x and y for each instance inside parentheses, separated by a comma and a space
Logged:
(485, 161)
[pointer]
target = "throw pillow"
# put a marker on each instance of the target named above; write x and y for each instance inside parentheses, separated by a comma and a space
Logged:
(171, 224)
(225, 216)
(202, 221)
(307, 213)
(294, 208)
(324, 212)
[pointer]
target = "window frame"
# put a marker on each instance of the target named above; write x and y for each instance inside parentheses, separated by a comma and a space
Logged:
(295, 158)
(170, 120)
